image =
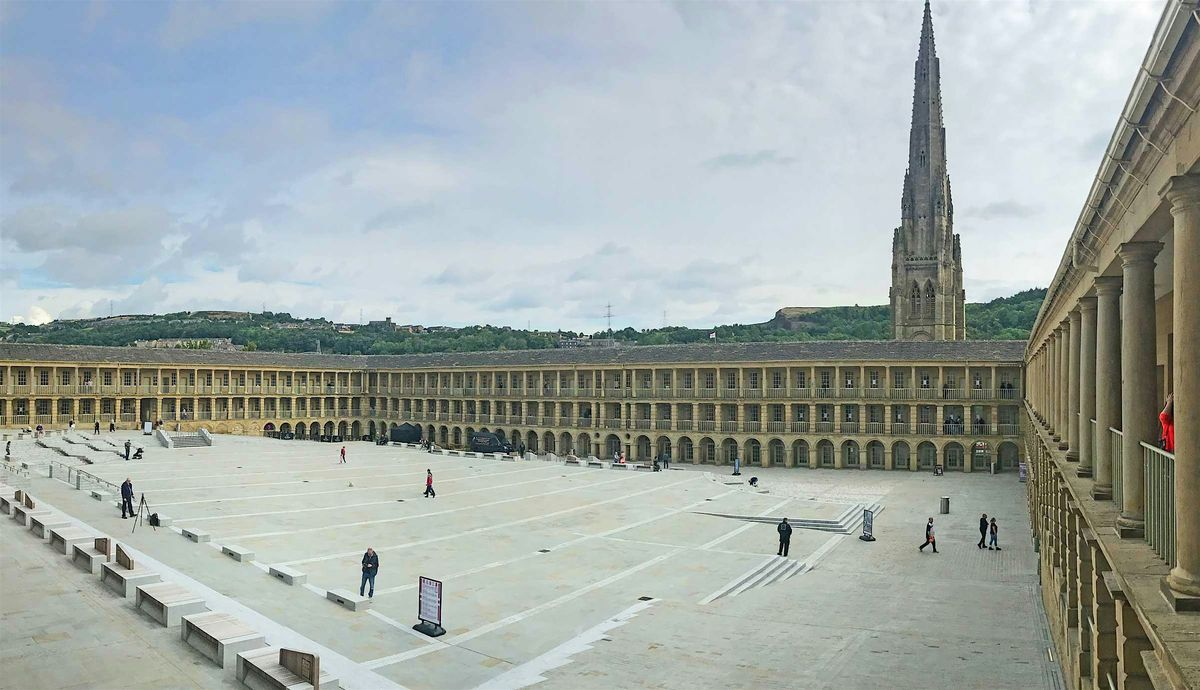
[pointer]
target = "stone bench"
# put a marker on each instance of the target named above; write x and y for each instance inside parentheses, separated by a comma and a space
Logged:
(288, 575)
(40, 525)
(167, 602)
(22, 514)
(219, 636)
(91, 557)
(196, 535)
(597, 463)
(349, 600)
(123, 576)
(101, 495)
(639, 466)
(237, 553)
(6, 504)
(283, 669)
(65, 538)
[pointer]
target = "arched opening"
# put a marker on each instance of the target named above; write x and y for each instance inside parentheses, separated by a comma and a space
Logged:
(850, 454)
(531, 442)
(875, 453)
(777, 453)
(642, 452)
(926, 455)
(443, 437)
(583, 445)
(268, 427)
(371, 429)
(953, 452)
(431, 434)
(355, 430)
(342, 428)
(612, 446)
(566, 445)
(285, 428)
(329, 431)
(1009, 455)
(729, 451)
(662, 447)
(500, 435)
(900, 455)
(753, 453)
(302, 431)
(800, 453)
(930, 298)
(914, 300)
(981, 456)
(686, 452)
(456, 437)
(548, 445)
(825, 453)
(708, 451)
(314, 431)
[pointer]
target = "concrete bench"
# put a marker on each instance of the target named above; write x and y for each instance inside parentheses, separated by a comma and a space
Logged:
(282, 669)
(639, 466)
(219, 636)
(350, 600)
(237, 553)
(508, 458)
(196, 535)
(6, 504)
(90, 557)
(165, 520)
(23, 514)
(288, 575)
(123, 576)
(101, 495)
(167, 602)
(597, 463)
(65, 538)
(40, 525)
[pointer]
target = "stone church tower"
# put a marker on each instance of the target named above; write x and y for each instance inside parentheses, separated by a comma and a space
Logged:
(927, 298)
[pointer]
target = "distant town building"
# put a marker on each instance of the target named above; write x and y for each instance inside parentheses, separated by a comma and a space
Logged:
(189, 343)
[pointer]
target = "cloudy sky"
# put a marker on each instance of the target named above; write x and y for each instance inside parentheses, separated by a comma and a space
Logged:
(514, 163)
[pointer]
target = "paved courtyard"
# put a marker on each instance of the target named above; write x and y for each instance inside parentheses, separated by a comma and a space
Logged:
(560, 576)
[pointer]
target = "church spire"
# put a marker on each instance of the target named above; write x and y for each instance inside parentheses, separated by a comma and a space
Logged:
(927, 187)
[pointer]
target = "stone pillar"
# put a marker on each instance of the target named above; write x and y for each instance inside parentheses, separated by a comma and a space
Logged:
(1139, 399)
(1108, 380)
(1184, 194)
(1063, 382)
(1073, 421)
(1087, 385)
(1052, 383)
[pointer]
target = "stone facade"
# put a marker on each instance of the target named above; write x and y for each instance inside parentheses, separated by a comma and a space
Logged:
(927, 297)
(879, 405)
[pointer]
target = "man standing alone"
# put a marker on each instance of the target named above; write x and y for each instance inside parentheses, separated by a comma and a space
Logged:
(370, 566)
(983, 530)
(127, 499)
(429, 484)
(930, 540)
(127, 444)
(785, 537)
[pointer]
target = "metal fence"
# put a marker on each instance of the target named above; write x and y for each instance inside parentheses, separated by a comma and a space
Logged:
(1117, 457)
(1159, 468)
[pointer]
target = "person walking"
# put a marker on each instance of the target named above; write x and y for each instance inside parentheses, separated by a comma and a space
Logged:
(127, 445)
(994, 536)
(737, 466)
(983, 530)
(97, 427)
(785, 537)
(71, 426)
(370, 567)
(429, 484)
(127, 499)
(343, 456)
(930, 539)
(8, 449)
(112, 426)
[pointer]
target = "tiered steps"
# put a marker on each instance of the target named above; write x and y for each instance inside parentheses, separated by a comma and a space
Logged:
(188, 441)
(773, 569)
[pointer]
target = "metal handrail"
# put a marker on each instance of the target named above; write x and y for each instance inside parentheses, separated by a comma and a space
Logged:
(1158, 467)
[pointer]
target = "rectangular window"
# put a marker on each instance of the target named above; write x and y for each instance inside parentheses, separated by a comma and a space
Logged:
(898, 379)
(825, 378)
(22, 378)
(874, 378)
(777, 413)
(258, 379)
(731, 380)
(127, 378)
(709, 381)
(754, 379)
(776, 381)
(801, 413)
(645, 380)
(849, 380)
(43, 378)
(66, 378)
(108, 379)
(687, 379)
(801, 379)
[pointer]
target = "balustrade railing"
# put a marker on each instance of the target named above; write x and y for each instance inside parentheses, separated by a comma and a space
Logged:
(1117, 460)
(1158, 467)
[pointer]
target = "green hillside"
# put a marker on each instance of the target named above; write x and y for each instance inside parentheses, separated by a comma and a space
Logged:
(1008, 318)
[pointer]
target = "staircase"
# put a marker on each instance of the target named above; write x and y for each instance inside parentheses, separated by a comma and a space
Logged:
(773, 569)
(188, 441)
(845, 523)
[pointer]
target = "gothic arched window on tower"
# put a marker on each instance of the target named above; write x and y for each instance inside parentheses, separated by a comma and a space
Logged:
(921, 158)
(914, 300)
(929, 298)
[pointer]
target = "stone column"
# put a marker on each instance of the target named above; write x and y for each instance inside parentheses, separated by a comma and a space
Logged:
(1073, 421)
(1184, 194)
(1108, 380)
(1056, 430)
(1139, 412)
(1063, 380)
(1087, 385)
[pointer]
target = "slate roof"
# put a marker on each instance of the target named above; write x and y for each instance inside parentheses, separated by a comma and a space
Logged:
(974, 351)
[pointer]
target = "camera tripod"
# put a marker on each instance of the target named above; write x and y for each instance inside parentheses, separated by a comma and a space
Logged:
(143, 508)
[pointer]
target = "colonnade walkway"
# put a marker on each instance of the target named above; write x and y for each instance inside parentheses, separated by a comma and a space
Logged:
(534, 555)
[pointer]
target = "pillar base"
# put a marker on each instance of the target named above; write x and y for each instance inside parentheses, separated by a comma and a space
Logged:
(1177, 601)
(1131, 529)
(1102, 493)
(1084, 472)
(1055, 437)
(1072, 455)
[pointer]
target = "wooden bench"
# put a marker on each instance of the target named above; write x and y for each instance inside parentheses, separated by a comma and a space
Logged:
(237, 553)
(65, 538)
(90, 557)
(288, 575)
(167, 602)
(350, 600)
(219, 636)
(40, 525)
(286, 669)
(196, 535)
(123, 576)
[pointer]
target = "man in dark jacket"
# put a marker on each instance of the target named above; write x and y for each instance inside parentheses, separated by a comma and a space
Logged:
(785, 537)
(983, 529)
(930, 539)
(127, 499)
(127, 444)
(370, 566)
